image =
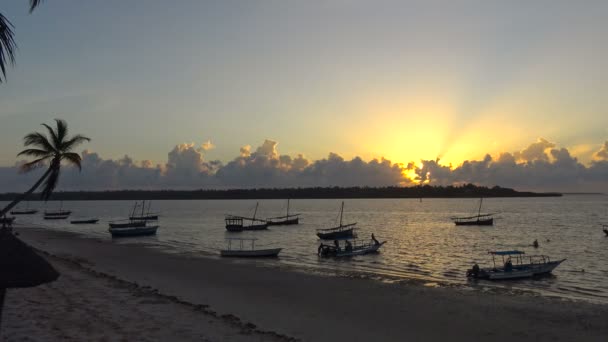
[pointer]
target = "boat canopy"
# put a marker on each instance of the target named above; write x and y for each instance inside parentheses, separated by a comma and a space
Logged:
(514, 252)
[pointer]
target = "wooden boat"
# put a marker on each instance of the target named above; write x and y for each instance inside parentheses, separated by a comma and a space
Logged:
(477, 220)
(133, 230)
(26, 211)
(147, 216)
(235, 223)
(349, 248)
(284, 220)
(242, 252)
(85, 221)
(524, 266)
(57, 214)
(340, 232)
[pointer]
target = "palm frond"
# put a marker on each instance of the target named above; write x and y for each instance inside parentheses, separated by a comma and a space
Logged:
(51, 181)
(72, 158)
(34, 152)
(38, 140)
(27, 167)
(34, 4)
(8, 46)
(75, 141)
(62, 131)
(54, 138)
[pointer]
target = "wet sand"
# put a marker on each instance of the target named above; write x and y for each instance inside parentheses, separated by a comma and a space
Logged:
(248, 301)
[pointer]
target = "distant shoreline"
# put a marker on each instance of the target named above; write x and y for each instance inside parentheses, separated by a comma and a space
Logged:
(426, 191)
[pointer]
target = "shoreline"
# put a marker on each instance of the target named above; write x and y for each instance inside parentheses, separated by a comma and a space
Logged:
(316, 308)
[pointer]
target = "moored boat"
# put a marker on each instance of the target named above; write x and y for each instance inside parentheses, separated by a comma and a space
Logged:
(57, 214)
(133, 230)
(284, 220)
(476, 220)
(243, 252)
(342, 231)
(85, 221)
(236, 223)
(26, 211)
(523, 267)
(147, 216)
(349, 248)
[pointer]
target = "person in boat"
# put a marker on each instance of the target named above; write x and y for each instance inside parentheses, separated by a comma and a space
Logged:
(535, 243)
(349, 246)
(475, 270)
(508, 265)
(320, 249)
(376, 242)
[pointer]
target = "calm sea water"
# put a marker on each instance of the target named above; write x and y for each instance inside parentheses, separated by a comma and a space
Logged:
(423, 243)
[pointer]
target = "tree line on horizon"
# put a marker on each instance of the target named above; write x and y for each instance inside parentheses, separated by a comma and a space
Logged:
(419, 191)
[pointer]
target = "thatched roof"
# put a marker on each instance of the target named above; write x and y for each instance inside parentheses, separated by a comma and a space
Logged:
(20, 265)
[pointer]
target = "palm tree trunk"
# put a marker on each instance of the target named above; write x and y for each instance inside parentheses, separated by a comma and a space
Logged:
(24, 195)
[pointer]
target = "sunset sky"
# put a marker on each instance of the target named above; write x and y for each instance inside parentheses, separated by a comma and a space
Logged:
(409, 81)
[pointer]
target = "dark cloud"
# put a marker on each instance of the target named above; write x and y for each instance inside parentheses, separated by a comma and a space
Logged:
(541, 166)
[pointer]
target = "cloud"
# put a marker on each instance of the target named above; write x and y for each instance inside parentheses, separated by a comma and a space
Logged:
(541, 166)
(208, 145)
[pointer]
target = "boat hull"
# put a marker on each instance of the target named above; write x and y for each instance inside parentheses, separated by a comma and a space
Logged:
(367, 249)
(57, 213)
(133, 231)
(145, 217)
(56, 217)
(485, 222)
(284, 222)
(260, 226)
(24, 212)
(341, 234)
(132, 224)
(260, 253)
(84, 221)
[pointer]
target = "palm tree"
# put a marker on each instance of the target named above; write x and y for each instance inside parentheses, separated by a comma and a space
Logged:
(8, 46)
(52, 149)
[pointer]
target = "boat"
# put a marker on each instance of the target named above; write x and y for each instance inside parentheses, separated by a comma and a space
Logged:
(236, 223)
(243, 252)
(349, 248)
(284, 220)
(85, 221)
(57, 214)
(477, 220)
(133, 229)
(340, 232)
(147, 216)
(26, 211)
(523, 267)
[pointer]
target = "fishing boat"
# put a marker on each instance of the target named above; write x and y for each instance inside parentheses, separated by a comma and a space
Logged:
(243, 252)
(340, 232)
(129, 227)
(284, 220)
(477, 220)
(135, 229)
(85, 221)
(26, 211)
(349, 248)
(522, 267)
(236, 223)
(147, 216)
(57, 214)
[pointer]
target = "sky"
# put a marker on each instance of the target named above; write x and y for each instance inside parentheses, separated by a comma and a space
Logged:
(429, 87)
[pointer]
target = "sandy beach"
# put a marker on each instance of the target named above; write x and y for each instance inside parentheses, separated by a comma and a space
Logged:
(110, 291)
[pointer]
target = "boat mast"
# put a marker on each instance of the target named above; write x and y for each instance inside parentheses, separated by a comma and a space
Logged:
(256, 210)
(134, 207)
(479, 211)
(143, 206)
(341, 211)
(287, 216)
(149, 205)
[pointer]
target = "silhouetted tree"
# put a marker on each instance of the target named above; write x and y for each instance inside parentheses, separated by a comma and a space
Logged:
(8, 46)
(52, 149)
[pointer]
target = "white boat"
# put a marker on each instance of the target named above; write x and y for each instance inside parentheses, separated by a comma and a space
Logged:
(340, 232)
(515, 264)
(243, 252)
(349, 248)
